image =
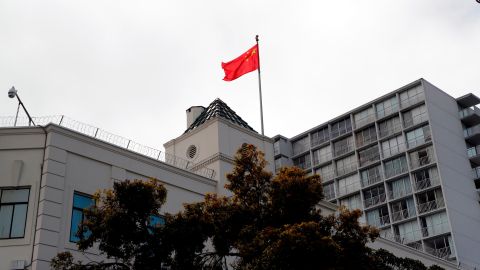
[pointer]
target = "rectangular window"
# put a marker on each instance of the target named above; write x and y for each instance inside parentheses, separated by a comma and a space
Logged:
(393, 146)
(415, 116)
(81, 202)
(341, 127)
(348, 185)
(329, 191)
(422, 157)
(426, 178)
(411, 96)
(300, 146)
(435, 224)
(276, 148)
(13, 212)
(374, 196)
(366, 136)
(302, 162)
(395, 167)
(371, 176)
(352, 202)
(322, 155)
(378, 217)
(418, 136)
(403, 209)
(387, 107)
(346, 165)
(320, 136)
(369, 155)
(343, 146)
(326, 172)
(407, 232)
(364, 117)
(399, 188)
(389, 127)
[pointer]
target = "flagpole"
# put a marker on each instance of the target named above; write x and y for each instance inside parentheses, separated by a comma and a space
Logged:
(259, 84)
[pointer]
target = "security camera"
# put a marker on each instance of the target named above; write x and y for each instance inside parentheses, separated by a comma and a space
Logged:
(12, 92)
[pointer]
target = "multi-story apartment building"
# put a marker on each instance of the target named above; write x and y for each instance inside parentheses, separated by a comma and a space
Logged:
(406, 160)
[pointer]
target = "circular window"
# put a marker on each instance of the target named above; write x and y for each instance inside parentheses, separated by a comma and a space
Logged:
(191, 151)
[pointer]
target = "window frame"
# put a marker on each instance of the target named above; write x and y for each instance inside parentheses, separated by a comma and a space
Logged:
(13, 210)
(74, 208)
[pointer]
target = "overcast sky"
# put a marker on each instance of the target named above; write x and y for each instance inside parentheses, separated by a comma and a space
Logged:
(134, 67)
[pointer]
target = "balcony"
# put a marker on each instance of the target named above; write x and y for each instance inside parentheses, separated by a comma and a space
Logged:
(347, 168)
(371, 180)
(473, 154)
(476, 173)
(392, 129)
(369, 156)
(393, 150)
(376, 200)
(435, 229)
(427, 183)
(472, 134)
(422, 157)
(430, 206)
(392, 195)
(380, 222)
(326, 176)
(419, 141)
(344, 190)
(328, 194)
(470, 116)
(412, 100)
(403, 214)
(343, 149)
(443, 253)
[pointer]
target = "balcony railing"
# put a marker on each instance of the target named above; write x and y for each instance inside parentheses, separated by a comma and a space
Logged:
(375, 200)
(344, 190)
(397, 127)
(426, 183)
(476, 173)
(430, 206)
(417, 162)
(417, 119)
(395, 171)
(419, 141)
(410, 238)
(469, 111)
(325, 176)
(403, 214)
(369, 156)
(435, 229)
(113, 139)
(443, 253)
(380, 222)
(365, 120)
(467, 132)
(399, 193)
(473, 151)
(365, 140)
(343, 149)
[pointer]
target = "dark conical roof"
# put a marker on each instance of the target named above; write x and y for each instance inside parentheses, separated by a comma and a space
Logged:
(220, 109)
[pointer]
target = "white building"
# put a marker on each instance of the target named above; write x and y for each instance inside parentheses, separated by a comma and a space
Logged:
(48, 173)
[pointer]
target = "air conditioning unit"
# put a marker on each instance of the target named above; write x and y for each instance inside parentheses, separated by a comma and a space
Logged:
(17, 265)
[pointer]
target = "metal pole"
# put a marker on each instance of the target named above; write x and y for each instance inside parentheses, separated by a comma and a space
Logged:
(30, 120)
(16, 116)
(259, 84)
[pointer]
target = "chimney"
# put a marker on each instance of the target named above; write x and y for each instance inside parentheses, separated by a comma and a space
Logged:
(193, 113)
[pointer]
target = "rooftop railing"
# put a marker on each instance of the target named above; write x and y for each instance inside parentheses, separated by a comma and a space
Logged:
(111, 138)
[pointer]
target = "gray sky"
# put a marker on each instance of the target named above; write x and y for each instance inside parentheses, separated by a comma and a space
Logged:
(134, 67)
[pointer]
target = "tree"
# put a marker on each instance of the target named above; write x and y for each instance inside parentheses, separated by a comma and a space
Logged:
(121, 223)
(268, 223)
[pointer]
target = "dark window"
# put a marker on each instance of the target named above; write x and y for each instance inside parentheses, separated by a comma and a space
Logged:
(13, 212)
(81, 202)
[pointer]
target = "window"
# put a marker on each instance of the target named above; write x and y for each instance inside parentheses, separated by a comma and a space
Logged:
(366, 136)
(352, 202)
(430, 200)
(320, 136)
(322, 155)
(407, 232)
(302, 162)
(368, 155)
(387, 107)
(415, 116)
(341, 127)
(374, 196)
(426, 178)
(364, 117)
(378, 217)
(300, 146)
(435, 224)
(403, 209)
(329, 191)
(393, 146)
(326, 172)
(346, 165)
(389, 127)
(411, 96)
(276, 148)
(395, 167)
(348, 185)
(370, 176)
(80, 203)
(13, 212)
(343, 146)
(418, 136)
(422, 157)
(399, 188)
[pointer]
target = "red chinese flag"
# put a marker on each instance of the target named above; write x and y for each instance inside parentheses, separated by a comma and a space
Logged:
(241, 65)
